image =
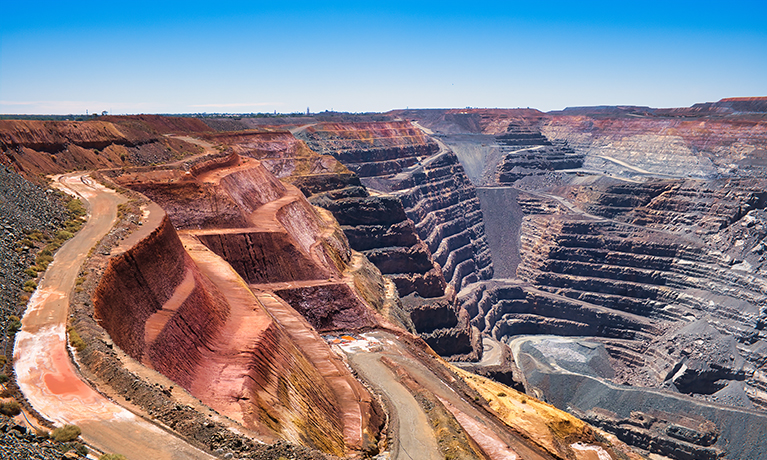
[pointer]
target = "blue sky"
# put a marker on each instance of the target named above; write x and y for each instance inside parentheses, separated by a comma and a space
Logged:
(250, 56)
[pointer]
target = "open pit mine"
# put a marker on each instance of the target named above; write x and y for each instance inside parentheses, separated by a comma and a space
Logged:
(588, 284)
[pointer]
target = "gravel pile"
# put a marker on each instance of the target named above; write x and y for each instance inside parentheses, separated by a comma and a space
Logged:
(17, 442)
(23, 205)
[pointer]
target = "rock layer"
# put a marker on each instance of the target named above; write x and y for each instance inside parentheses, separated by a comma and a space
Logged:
(397, 159)
(195, 320)
(650, 240)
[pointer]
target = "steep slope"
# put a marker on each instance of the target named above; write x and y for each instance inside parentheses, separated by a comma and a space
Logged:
(629, 225)
(398, 158)
(194, 318)
(332, 186)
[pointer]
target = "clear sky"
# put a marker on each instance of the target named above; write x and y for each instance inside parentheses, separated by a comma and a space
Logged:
(250, 56)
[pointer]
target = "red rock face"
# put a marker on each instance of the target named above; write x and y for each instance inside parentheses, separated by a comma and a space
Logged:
(704, 134)
(137, 284)
(158, 124)
(53, 147)
(377, 134)
(51, 136)
(204, 199)
(259, 257)
(261, 145)
(190, 315)
(329, 307)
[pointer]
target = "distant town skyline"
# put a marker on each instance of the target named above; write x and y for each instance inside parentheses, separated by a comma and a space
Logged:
(261, 57)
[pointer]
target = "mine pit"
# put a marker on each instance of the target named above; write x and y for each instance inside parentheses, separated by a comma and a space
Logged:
(299, 281)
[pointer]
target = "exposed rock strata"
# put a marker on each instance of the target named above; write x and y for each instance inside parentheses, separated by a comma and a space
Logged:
(434, 190)
(435, 194)
(53, 147)
(331, 186)
(535, 161)
(665, 270)
(190, 325)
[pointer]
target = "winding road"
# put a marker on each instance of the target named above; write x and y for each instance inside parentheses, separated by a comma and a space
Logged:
(44, 370)
(415, 438)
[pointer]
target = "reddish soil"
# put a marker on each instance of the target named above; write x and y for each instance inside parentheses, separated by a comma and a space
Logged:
(43, 367)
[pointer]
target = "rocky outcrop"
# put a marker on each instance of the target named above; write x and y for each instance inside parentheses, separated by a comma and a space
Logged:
(18, 442)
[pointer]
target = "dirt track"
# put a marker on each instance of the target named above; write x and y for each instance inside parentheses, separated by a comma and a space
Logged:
(409, 420)
(43, 367)
(414, 436)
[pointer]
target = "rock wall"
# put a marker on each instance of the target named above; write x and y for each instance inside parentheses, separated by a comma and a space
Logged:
(303, 233)
(437, 196)
(200, 324)
(668, 267)
(329, 307)
(259, 256)
(52, 147)
(398, 160)
(536, 161)
(643, 228)
(677, 146)
(165, 313)
(133, 288)
(375, 225)
(378, 227)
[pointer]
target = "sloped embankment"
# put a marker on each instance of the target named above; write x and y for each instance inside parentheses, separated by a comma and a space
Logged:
(194, 319)
(33, 147)
(400, 164)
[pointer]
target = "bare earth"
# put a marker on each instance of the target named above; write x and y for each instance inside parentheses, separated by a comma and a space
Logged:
(43, 367)
(415, 437)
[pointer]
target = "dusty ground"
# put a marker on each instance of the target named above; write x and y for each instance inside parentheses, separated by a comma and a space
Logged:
(414, 436)
(497, 441)
(44, 370)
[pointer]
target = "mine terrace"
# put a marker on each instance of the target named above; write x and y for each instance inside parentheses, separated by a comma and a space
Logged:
(466, 284)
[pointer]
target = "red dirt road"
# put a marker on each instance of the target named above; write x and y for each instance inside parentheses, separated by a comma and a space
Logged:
(43, 368)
